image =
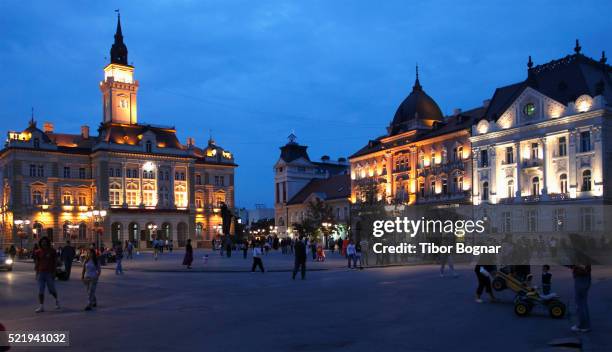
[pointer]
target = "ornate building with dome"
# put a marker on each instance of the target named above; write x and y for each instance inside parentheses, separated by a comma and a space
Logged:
(132, 181)
(537, 150)
(424, 158)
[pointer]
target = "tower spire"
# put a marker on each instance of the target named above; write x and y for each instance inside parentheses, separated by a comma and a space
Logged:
(417, 83)
(119, 52)
(577, 48)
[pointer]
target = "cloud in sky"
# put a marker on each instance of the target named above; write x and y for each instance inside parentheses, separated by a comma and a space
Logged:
(253, 71)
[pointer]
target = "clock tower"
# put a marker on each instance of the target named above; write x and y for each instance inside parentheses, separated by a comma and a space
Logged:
(119, 89)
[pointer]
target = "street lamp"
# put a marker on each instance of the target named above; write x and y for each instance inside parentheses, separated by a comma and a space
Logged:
(97, 216)
(152, 227)
(20, 229)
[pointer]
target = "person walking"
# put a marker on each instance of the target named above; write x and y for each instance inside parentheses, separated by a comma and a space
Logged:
(188, 259)
(582, 284)
(155, 248)
(12, 252)
(90, 275)
(118, 258)
(358, 253)
(68, 254)
(257, 253)
(313, 250)
(130, 250)
(245, 248)
(300, 258)
(350, 254)
(45, 259)
(483, 274)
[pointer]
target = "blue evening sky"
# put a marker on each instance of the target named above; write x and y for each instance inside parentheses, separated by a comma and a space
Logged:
(253, 71)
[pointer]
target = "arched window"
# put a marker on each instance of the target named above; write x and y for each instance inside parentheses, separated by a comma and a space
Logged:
(82, 231)
(510, 188)
(181, 234)
(133, 233)
(563, 183)
(484, 195)
(66, 230)
(166, 231)
(199, 231)
(586, 180)
(535, 186)
(116, 232)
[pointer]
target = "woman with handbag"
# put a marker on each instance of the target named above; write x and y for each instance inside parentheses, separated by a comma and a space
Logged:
(91, 273)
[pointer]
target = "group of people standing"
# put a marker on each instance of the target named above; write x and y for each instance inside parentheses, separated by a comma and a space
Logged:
(46, 262)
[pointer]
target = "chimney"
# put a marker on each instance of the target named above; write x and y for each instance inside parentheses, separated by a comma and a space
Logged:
(190, 142)
(85, 131)
(456, 112)
(48, 127)
(325, 158)
(486, 103)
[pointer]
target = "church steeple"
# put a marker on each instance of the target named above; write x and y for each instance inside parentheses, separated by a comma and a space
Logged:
(119, 88)
(119, 51)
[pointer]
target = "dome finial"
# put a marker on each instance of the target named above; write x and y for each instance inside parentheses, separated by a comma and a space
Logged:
(577, 48)
(603, 59)
(417, 84)
(529, 63)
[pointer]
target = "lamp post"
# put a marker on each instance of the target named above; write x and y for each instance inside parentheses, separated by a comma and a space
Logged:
(152, 227)
(20, 229)
(97, 216)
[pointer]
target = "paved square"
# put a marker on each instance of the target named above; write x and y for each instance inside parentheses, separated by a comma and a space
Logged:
(221, 306)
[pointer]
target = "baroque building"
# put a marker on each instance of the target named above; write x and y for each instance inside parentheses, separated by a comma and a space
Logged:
(425, 157)
(140, 176)
(299, 181)
(533, 159)
(545, 142)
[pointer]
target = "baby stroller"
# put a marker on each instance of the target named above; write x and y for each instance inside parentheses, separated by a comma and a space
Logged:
(526, 296)
(61, 273)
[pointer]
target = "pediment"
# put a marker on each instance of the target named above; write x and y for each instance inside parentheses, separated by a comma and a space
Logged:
(529, 107)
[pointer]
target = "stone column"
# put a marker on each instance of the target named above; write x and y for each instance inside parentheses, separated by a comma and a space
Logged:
(124, 185)
(171, 190)
(571, 163)
(493, 174)
(140, 184)
(545, 160)
(518, 190)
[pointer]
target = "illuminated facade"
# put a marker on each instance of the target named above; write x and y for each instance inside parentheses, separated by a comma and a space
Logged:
(147, 183)
(543, 138)
(425, 158)
(298, 181)
(532, 159)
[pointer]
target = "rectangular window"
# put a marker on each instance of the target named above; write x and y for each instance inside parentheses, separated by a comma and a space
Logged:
(128, 173)
(114, 197)
(132, 198)
(118, 172)
(111, 172)
(585, 141)
(82, 199)
(532, 220)
(432, 188)
(534, 151)
(559, 220)
(82, 173)
(586, 217)
(445, 186)
(41, 171)
(507, 222)
(198, 179)
(66, 172)
(221, 180)
(67, 199)
(32, 170)
(509, 155)
(562, 146)
(484, 158)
